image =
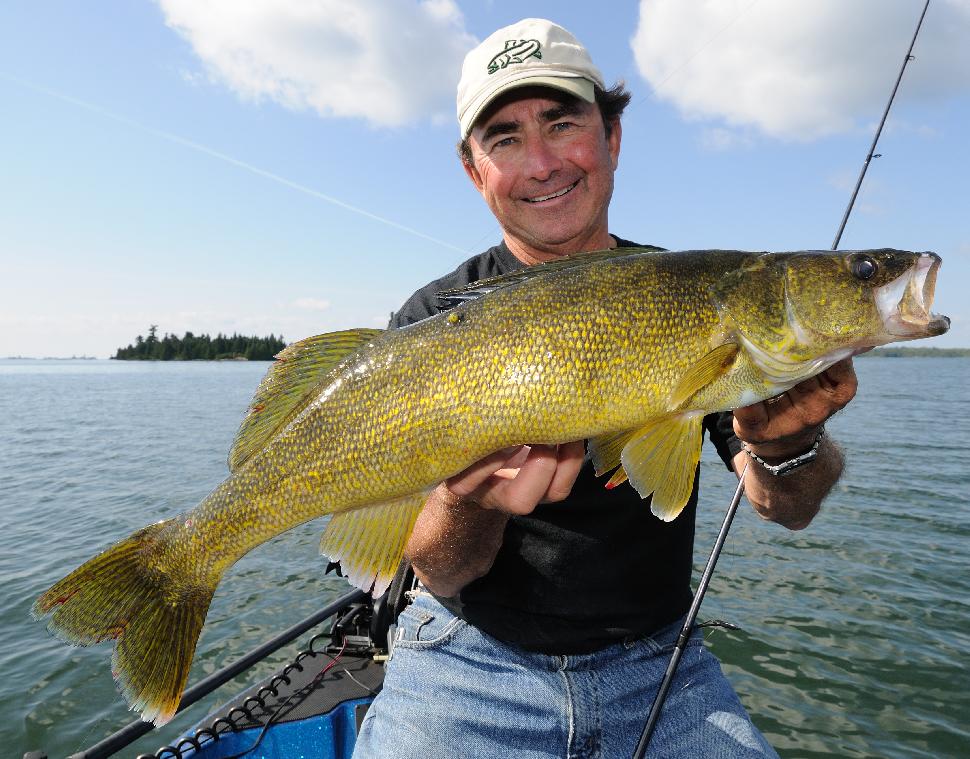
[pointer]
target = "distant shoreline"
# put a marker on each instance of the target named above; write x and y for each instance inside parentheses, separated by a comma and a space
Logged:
(890, 352)
(894, 352)
(114, 358)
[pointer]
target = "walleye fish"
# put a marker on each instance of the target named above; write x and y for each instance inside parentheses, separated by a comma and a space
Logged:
(627, 348)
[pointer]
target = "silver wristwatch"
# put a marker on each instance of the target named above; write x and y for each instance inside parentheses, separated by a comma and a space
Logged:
(787, 467)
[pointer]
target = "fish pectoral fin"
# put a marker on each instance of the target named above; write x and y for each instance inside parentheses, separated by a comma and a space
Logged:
(289, 386)
(714, 364)
(369, 542)
(662, 460)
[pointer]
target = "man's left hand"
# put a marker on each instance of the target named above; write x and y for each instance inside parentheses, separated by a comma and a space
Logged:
(786, 425)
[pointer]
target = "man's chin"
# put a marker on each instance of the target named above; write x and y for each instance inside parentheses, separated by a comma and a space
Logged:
(558, 239)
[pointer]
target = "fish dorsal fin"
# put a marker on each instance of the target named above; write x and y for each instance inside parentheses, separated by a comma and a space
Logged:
(369, 542)
(289, 386)
(714, 364)
(659, 459)
(484, 286)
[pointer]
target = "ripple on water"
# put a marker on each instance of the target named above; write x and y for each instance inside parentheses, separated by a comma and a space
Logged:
(856, 631)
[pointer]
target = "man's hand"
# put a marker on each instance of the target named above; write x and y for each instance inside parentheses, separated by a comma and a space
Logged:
(459, 532)
(516, 480)
(784, 427)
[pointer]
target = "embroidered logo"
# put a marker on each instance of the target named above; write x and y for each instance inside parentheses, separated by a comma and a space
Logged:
(516, 51)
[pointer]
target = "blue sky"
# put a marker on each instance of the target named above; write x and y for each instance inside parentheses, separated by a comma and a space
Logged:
(176, 163)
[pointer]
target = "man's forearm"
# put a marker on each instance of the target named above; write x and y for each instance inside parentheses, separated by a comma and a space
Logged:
(794, 499)
(454, 542)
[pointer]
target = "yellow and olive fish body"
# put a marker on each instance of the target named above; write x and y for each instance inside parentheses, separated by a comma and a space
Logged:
(628, 349)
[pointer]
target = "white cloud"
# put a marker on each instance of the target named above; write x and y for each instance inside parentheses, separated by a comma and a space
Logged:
(718, 139)
(794, 69)
(391, 62)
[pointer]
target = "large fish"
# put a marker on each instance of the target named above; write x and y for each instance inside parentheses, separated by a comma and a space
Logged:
(626, 348)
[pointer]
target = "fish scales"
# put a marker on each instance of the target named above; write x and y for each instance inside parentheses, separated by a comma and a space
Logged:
(400, 415)
(627, 349)
(421, 403)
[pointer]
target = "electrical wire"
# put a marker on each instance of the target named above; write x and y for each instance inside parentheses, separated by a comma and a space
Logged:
(278, 711)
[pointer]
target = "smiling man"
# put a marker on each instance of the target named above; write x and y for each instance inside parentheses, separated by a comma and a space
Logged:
(544, 163)
(548, 605)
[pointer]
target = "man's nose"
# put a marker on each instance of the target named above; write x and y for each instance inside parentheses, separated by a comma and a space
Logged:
(542, 159)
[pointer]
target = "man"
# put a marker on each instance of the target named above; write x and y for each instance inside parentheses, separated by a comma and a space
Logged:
(549, 605)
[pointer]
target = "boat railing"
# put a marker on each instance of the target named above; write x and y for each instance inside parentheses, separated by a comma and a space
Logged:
(136, 729)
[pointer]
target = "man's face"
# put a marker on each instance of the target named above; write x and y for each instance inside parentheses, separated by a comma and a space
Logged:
(544, 165)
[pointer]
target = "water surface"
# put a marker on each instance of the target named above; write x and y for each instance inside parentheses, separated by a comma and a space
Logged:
(856, 632)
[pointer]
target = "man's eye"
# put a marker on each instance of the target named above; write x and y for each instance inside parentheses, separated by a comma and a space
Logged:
(504, 142)
(561, 126)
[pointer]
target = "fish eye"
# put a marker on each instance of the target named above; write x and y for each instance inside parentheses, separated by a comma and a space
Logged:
(863, 267)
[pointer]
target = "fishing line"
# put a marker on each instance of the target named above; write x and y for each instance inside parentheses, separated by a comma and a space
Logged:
(656, 88)
(212, 153)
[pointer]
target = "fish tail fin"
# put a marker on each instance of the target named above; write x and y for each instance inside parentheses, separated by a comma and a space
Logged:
(154, 618)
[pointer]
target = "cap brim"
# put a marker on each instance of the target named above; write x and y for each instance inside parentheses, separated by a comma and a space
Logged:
(579, 86)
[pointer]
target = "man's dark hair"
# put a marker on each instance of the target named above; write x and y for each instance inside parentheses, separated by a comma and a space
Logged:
(611, 102)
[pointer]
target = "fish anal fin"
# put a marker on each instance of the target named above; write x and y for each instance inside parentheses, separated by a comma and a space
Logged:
(289, 386)
(369, 542)
(662, 461)
(701, 374)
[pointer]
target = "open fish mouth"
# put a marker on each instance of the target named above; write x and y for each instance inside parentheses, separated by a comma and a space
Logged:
(904, 304)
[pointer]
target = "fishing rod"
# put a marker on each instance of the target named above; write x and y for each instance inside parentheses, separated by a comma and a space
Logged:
(691, 618)
(885, 114)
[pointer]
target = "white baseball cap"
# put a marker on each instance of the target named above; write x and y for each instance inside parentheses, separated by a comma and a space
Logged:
(533, 51)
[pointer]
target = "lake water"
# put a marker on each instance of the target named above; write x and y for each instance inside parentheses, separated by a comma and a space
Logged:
(856, 632)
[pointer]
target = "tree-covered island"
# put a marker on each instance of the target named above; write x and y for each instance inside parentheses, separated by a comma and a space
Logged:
(191, 347)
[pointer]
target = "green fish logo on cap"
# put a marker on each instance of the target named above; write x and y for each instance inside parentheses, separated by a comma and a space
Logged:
(516, 51)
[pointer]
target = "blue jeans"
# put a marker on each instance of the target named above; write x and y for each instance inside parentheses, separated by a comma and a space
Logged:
(453, 691)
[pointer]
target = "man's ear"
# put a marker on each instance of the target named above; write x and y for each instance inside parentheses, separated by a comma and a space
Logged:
(613, 143)
(473, 174)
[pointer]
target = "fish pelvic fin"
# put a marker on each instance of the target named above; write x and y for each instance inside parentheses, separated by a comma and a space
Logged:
(290, 385)
(154, 620)
(660, 460)
(708, 369)
(369, 542)
(604, 452)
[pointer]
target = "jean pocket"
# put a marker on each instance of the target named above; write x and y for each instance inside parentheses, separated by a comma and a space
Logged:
(419, 627)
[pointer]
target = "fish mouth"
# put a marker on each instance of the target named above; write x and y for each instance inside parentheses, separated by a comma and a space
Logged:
(552, 195)
(904, 304)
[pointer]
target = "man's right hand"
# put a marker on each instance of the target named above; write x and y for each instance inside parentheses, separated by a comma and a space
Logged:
(459, 532)
(516, 480)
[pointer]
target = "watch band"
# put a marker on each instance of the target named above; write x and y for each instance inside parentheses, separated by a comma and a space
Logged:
(787, 467)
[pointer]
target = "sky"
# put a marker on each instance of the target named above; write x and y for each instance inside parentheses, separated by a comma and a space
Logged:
(288, 166)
